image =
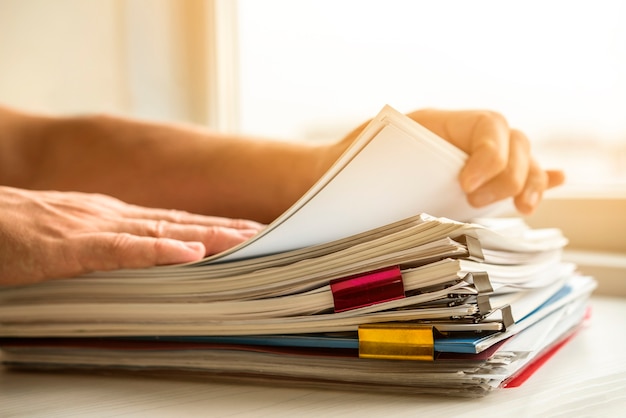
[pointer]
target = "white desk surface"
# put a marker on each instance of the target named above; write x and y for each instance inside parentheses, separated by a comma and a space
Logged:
(586, 378)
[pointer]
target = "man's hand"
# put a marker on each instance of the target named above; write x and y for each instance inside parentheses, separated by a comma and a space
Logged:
(46, 235)
(499, 165)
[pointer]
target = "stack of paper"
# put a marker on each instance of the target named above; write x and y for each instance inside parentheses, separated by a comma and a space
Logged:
(349, 288)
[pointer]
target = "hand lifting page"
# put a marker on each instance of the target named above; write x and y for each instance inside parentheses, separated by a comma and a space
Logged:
(393, 170)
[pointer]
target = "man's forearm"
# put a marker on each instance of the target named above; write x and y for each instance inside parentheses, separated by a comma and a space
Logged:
(19, 158)
(162, 165)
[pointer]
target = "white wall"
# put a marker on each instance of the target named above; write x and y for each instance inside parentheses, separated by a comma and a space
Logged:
(145, 58)
(62, 56)
(548, 64)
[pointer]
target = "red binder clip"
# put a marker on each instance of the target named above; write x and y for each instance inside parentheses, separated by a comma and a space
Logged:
(367, 289)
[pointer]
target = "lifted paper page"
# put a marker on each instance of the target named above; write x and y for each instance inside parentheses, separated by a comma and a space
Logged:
(394, 170)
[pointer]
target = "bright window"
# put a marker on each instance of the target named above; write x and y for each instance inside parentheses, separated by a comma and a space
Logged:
(555, 69)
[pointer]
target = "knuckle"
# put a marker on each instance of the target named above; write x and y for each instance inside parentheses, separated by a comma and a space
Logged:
(516, 183)
(537, 177)
(490, 116)
(106, 254)
(212, 233)
(158, 228)
(125, 251)
(514, 180)
(177, 216)
(118, 246)
(240, 224)
(103, 200)
(520, 140)
(498, 160)
(216, 238)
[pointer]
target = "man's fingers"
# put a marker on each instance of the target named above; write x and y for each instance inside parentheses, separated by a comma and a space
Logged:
(530, 196)
(487, 145)
(218, 239)
(510, 180)
(105, 251)
(537, 183)
(555, 178)
(182, 217)
(214, 238)
(107, 207)
(499, 163)
(111, 251)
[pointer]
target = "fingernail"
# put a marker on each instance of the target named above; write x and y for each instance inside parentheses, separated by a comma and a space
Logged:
(531, 197)
(472, 183)
(256, 226)
(194, 246)
(483, 198)
(247, 232)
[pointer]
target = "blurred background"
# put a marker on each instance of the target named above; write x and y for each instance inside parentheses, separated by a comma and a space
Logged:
(314, 69)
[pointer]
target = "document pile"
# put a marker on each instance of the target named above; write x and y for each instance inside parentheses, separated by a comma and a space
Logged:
(349, 288)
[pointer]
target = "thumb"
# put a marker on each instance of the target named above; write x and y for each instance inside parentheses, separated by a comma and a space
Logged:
(555, 178)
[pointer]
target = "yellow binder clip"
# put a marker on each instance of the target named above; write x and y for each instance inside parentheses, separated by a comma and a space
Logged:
(397, 341)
